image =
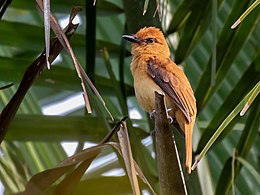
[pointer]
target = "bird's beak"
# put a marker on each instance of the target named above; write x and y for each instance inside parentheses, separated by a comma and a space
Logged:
(131, 38)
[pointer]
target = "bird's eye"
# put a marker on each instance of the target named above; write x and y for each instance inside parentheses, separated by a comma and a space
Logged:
(150, 40)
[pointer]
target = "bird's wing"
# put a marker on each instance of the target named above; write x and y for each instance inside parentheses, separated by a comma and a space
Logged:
(174, 83)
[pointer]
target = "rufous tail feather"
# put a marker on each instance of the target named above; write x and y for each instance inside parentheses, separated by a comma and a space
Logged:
(188, 141)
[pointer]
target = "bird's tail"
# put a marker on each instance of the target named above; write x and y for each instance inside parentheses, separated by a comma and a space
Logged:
(188, 142)
(187, 129)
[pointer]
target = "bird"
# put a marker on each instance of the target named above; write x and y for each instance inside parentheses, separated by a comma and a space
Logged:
(153, 70)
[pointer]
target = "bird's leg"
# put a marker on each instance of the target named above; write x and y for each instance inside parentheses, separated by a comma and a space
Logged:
(152, 117)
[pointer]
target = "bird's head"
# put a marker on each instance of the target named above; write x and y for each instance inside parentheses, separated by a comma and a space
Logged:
(148, 40)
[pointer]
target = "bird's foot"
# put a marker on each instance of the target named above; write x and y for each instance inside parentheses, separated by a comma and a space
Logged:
(152, 133)
(152, 114)
(170, 120)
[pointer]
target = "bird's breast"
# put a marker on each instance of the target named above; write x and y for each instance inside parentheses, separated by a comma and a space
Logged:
(144, 90)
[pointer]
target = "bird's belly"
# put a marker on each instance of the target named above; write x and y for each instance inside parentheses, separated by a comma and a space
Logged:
(144, 91)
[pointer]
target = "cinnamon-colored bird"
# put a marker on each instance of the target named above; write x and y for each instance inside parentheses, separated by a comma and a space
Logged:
(153, 70)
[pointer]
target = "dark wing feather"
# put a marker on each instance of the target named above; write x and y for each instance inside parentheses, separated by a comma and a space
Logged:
(172, 85)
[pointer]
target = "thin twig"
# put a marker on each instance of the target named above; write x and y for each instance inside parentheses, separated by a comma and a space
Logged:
(30, 75)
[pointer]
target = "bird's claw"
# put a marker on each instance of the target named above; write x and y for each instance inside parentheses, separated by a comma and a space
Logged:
(168, 110)
(152, 114)
(170, 120)
(152, 133)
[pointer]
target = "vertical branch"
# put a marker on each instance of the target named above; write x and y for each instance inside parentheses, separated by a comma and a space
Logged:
(214, 44)
(169, 169)
(134, 15)
(91, 39)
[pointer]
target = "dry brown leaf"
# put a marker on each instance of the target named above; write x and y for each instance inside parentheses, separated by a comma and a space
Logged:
(128, 158)
(41, 181)
(137, 168)
(65, 43)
